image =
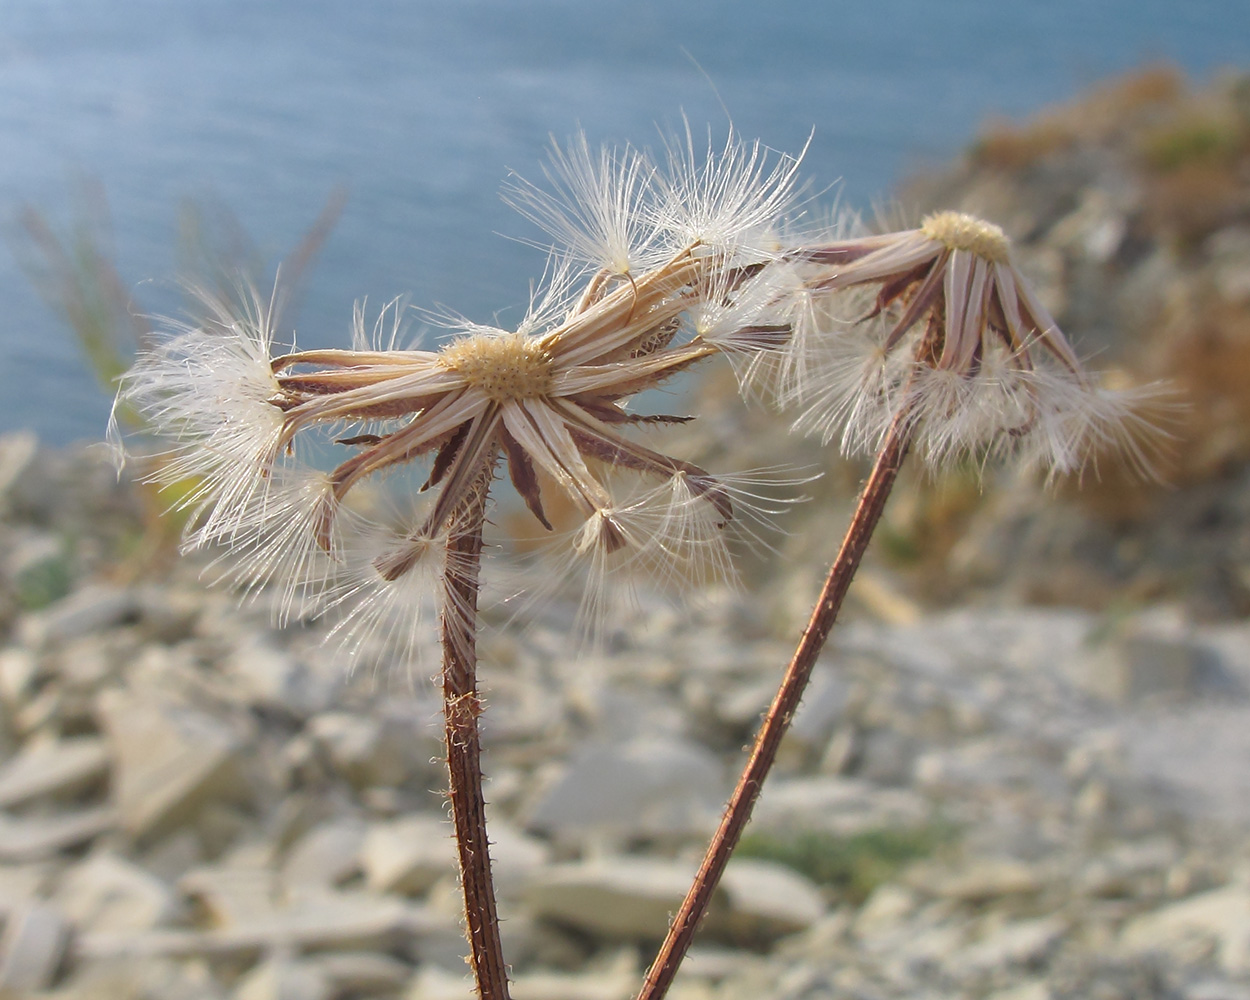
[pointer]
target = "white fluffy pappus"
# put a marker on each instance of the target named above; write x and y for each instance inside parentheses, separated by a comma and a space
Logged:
(209, 389)
(735, 198)
(597, 206)
(959, 348)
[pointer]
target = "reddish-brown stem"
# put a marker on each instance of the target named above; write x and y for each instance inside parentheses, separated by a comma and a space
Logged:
(461, 708)
(777, 720)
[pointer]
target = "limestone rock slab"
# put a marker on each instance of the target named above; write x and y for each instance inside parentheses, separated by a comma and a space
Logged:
(170, 759)
(52, 768)
(326, 855)
(37, 837)
(31, 950)
(90, 609)
(408, 855)
(618, 899)
(1220, 916)
(107, 892)
(284, 978)
(765, 901)
(646, 786)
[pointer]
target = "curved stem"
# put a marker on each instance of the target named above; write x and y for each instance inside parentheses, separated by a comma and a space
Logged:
(867, 513)
(461, 708)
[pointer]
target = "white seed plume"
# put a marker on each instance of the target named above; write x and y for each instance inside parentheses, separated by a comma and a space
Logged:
(961, 344)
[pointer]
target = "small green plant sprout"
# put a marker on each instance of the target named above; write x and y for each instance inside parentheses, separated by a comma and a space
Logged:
(851, 865)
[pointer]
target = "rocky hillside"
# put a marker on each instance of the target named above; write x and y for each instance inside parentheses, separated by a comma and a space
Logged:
(1130, 210)
(1015, 803)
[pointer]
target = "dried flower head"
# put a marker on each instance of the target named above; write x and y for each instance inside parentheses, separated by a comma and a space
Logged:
(962, 343)
(547, 400)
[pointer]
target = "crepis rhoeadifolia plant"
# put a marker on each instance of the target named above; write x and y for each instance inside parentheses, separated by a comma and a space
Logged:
(926, 339)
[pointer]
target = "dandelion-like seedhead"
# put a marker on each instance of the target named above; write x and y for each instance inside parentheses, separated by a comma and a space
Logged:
(956, 341)
(638, 293)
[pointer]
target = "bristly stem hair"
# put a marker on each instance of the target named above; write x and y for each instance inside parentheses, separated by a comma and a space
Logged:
(461, 708)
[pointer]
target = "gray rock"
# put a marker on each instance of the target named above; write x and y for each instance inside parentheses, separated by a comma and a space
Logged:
(515, 856)
(109, 893)
(361, 973)
(824, 705)
(170, 760)
(838, 805)
(991, 765)
(1016, 943)
(154, 979)
(886, 757)
(978, 881)
(276, 678)
(21, 884)
(1033, 989)
(1139, 665)
(18, 671)
(920, 950)
(284, 978)
(52, 768)
(315, 920)
(35, 837)
(1220, 917)
(366, 750)
(91, 609)
(884, 911)
(17, 449)
(765, 901)
(1229, 250)
(842, 751)
(433, 982)
(618, 982)
(408, 855)
(31, 949)
(745, 704)
(615, 899)
(44, 711)
(648, 786)
(326, 855)
(1187, 749)
(85, 664)
(37, 566)
(169, 615)
(233, 895)
(172, 857)
(1121, 870)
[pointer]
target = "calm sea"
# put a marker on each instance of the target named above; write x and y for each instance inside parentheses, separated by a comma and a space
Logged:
(421, 108)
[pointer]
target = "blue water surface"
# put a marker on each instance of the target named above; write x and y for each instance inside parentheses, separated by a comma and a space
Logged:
(420, 109)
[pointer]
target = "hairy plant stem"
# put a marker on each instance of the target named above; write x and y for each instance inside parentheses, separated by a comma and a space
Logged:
(867, 513)
(461, 708)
